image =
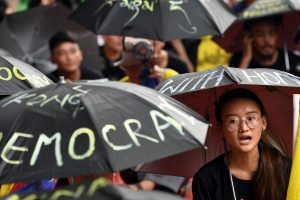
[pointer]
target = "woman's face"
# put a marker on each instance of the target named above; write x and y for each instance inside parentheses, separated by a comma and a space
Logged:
(242, 124)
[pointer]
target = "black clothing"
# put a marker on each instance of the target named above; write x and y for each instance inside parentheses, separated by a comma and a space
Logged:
(191, 46)
(176, 63)
(212, 182)
(109, 70)
(294, 61)
(85, 75)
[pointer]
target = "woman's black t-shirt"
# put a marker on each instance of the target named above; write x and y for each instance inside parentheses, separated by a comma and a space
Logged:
(212, 181)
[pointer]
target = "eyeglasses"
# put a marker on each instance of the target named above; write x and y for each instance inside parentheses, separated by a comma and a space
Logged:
(233, 123)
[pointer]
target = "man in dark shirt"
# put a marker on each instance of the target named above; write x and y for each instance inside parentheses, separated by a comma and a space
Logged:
(260, 47)
(111, 52)
(67, 55)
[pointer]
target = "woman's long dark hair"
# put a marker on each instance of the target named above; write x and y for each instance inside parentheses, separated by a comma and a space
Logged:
(269, 178)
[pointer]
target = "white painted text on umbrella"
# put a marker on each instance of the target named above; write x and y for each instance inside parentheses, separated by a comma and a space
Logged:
(133, 133)
(42, 100)
(215, 78)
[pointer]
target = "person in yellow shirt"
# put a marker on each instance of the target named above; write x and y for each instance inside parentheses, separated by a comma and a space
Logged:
(210, 54)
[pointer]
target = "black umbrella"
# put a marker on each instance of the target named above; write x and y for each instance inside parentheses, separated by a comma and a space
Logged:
(263, 8)
(200, 90)
(16, 76)
(94, 190)
(25, 35)
(155, 19)
(70, 129)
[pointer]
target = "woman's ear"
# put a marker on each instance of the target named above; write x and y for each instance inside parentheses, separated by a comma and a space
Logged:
(265, 123)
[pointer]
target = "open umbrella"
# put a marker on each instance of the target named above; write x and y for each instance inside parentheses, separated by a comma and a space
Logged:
(16, 76)
(289, 9)
(70, 129)
(25, 35)
(200, 90)
(94, 190)
(155, 19)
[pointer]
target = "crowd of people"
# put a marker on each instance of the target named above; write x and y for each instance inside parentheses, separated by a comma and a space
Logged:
(257, 168)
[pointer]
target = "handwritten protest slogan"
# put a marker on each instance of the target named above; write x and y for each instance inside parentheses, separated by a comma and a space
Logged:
(6, 74)
(133, 132)
(216, 78)
(266, 7)
(41, 100)
(80, 192)
(149, 5)
(175, 5)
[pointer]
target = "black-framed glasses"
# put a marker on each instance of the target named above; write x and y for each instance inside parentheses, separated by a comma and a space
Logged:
(233, 123)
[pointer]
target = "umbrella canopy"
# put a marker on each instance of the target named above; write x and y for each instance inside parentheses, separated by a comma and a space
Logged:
(25, 35)
(16, 76)
(94, 190)
(289, 9)
(201, 90)
(156, 19)
(70, 129)
(263, 8)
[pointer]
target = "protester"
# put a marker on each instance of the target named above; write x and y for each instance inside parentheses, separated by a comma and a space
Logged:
(177, 48)
(260, 47)
(111, 51)
(164, 58)
(67, 55)
(181, 51)
(139, 65)
(137, 62)
(256, 166)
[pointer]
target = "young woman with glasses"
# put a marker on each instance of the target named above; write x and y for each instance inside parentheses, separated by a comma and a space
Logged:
(256, 166)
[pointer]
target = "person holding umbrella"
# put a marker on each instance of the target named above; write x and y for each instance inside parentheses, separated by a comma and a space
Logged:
(141, 68)
(256, 167)
(140, 64)
(260, 47)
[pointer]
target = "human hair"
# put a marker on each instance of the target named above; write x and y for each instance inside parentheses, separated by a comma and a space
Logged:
(277, 19)
(297, 35)
(59, 38)
(269, 179)
(3, 7)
